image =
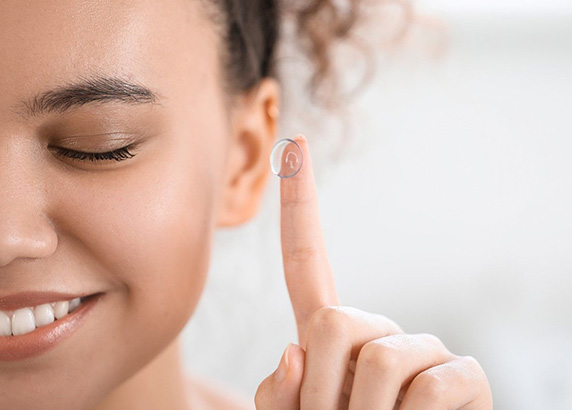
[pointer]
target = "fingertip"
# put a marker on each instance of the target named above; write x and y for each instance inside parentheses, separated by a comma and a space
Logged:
(296, 353)
(305, 171)
(291, 366)
(296, 359)
(302, 141)
(300, 138)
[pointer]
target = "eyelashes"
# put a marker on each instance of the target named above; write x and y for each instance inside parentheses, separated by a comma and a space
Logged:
(117, 155)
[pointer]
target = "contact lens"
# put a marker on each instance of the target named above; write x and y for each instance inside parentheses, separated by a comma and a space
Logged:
(286, 158)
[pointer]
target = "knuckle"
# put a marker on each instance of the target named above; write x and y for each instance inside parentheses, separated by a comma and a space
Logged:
(433, 340)
(473, 366)
(471, 362)
(394, 327)
(328, 321)
(431, 386)
(389, 326)
(310, 391)
(301, 253)
(379, 356)
(437, 345)
(297, 199)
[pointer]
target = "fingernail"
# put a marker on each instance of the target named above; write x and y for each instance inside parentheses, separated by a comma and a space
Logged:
(283, 366)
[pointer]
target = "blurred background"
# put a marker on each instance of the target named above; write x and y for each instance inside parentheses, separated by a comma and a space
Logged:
(445, 201)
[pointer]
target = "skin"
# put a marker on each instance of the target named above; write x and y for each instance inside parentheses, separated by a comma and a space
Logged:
(347, 358)
(140, 230)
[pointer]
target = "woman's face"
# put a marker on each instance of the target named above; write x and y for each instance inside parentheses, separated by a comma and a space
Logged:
(139, 229)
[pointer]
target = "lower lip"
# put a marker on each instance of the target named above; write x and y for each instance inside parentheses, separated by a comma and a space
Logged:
(45, 337)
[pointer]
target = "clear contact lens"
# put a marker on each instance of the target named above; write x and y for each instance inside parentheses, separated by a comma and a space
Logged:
(286, 158)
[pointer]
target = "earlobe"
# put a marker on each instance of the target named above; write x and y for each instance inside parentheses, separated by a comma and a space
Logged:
(254, 131)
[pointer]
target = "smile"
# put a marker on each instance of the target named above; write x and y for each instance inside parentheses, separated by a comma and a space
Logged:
(25, 320)
(32, 330)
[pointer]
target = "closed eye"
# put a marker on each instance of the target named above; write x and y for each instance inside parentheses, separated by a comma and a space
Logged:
(119, 154)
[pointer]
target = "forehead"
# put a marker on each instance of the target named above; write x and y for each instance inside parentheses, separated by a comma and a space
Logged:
(44, 43)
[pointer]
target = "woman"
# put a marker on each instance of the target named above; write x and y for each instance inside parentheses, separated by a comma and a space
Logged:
(129, 131)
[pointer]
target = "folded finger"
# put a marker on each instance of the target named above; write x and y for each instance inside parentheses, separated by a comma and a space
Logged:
(335, 336)
(458, 384)
(387, 364)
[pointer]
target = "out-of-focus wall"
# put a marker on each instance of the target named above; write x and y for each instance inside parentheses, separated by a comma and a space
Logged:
(449, 211)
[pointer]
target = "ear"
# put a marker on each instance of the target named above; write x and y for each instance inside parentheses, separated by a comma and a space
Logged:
(253, 132)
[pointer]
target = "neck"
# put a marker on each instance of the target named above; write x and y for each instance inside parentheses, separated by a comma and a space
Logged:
(161, 384)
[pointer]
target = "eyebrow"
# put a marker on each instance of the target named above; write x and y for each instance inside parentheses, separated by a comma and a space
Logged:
(88, 90)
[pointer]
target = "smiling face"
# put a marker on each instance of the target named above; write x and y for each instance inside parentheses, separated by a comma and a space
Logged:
(139, 229)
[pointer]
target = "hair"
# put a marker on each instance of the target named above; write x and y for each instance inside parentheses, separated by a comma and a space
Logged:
(250, 31)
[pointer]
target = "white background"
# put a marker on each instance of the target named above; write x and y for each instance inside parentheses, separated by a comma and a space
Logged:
(448, 210)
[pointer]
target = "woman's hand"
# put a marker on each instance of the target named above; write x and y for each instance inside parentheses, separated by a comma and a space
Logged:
(348, 358)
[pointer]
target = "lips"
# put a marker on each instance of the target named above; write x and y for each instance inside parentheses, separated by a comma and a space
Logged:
(45, 337)
(26, 299)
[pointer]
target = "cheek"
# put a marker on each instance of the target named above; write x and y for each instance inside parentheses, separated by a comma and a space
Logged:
(148, 227)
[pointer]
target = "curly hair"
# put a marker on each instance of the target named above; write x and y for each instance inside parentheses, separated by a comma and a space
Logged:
(251, 29)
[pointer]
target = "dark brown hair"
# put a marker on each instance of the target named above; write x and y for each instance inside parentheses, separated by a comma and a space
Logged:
(250, 30)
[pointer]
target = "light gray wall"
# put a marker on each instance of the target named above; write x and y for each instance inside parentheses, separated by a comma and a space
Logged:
(448, 212)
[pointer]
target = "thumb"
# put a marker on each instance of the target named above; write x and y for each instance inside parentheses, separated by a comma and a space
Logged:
(281, 390)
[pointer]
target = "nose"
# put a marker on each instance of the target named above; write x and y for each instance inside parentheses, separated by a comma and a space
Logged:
(25, 230)
(24, 234)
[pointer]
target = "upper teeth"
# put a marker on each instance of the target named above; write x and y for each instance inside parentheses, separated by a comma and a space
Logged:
(25, 320)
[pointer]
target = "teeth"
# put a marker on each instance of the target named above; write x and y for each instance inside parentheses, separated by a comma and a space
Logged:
(74, 303)
(25, 320)
(44, 314)
(61, 309)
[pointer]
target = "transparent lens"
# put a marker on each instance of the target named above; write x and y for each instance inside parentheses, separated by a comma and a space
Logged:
(286, 158)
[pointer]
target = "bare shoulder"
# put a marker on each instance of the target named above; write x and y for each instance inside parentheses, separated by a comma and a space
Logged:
(208, 394)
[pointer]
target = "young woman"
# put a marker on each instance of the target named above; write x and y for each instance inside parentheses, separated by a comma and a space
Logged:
(129, 131)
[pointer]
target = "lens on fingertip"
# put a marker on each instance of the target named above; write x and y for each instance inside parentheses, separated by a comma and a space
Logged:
(286, 158)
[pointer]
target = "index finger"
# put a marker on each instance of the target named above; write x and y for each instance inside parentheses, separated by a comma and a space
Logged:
(307, 270)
